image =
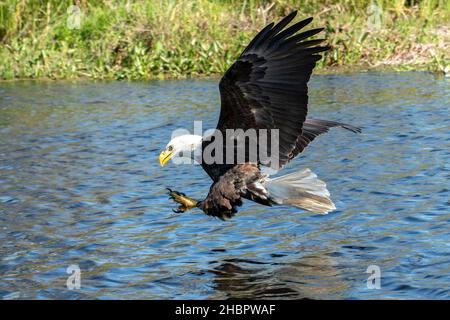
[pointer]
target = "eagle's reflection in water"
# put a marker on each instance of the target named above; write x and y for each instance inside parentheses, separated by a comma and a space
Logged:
(313, 276)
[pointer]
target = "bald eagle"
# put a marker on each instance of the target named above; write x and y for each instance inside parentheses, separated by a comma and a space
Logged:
(265, 88)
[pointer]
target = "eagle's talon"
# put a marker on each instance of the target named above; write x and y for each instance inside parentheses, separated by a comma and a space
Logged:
(178, 211)
(185, 202)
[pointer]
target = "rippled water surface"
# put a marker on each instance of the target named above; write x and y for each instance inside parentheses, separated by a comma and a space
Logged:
(80, 184)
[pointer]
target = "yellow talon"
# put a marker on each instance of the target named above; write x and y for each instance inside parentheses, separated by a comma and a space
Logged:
(185, 202)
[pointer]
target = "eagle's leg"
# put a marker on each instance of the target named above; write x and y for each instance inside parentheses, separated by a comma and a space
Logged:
(185, 202)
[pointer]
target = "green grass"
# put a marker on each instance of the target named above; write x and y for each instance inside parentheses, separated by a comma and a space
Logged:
(187, 38)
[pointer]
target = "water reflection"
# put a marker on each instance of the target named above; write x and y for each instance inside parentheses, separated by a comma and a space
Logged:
(312, 276)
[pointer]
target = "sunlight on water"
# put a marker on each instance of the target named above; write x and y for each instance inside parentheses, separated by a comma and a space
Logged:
(80, 184)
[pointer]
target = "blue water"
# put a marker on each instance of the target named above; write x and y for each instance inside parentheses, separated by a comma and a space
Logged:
(80, 185)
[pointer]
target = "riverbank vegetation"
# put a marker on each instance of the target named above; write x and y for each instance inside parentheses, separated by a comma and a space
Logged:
(185, 38)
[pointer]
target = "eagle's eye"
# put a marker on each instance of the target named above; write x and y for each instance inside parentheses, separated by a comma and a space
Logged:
(170, 148)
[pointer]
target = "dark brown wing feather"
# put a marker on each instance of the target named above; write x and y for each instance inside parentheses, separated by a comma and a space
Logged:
(314, 127)
(267, 86)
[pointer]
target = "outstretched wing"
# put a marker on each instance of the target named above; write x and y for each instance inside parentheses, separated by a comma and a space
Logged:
(266, 88)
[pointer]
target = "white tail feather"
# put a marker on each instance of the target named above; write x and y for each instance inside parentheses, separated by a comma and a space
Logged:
(301, 189)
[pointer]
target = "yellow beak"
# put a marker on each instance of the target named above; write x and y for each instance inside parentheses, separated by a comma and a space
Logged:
(164, 156)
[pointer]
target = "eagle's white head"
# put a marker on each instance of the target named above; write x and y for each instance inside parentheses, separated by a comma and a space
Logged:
(187, 145)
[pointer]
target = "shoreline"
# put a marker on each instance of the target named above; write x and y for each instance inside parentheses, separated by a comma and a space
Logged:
(217, 77)
(184, 39)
